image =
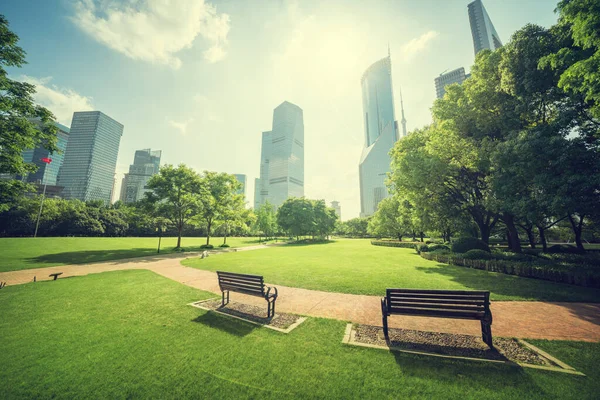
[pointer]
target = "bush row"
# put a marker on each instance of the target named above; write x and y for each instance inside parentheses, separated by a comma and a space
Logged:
(389, 243)
(584, 278)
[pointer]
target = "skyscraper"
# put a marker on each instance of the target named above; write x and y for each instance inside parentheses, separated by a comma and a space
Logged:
(89, 165)
(482, 29)
(282, 157)
(381, 132)
(241, 178)
(337, 208)
(145, 164)
(47, 174)
(455, 76)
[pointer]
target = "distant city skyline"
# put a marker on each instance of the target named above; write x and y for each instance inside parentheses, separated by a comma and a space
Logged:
(146, 163)
(179, 95)
(282, 157)
(88, 169)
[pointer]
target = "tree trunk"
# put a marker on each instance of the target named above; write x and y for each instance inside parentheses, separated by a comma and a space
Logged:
(225, 239)
(208, 233)
(542, 232)
(577, 229)
(484, 231)
(422, 234)
(399, 238)
(414, 235)
(179, 229)
(513, 238)
(530, 237)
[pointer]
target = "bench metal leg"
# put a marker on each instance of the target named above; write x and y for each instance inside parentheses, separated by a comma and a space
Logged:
(223, 297)
(384, 318)
(270, 308)
(486, 333)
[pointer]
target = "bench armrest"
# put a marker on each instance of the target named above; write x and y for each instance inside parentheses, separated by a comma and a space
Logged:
(384, 305)
(269, 292)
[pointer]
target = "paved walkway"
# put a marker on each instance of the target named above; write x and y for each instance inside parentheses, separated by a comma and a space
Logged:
(523, 319)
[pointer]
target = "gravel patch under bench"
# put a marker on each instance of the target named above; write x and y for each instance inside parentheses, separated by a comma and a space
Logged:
(507, 349)
(280, 321)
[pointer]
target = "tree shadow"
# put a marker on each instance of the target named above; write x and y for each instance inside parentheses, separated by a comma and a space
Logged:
(230, 325)
(514, 286)
(93, 256)
(310, 242)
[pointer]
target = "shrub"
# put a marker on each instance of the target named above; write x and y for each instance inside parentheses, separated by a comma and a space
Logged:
(224, 245)
(441, 251)
(422, 248)
(207, 246)
(462, 245)
(567, 249)
(434, 247)
(390, 243)
(477, 254)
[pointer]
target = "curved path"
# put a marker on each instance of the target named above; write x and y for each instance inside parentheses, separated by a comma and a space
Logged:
(523, 319)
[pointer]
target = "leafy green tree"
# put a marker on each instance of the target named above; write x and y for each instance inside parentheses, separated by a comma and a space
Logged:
(176, 195)
(324, 218)
(386, 221)
(218, 194)
(296, 217)
(234, 215)
(266, 220)
(358, 227)
(17, 109)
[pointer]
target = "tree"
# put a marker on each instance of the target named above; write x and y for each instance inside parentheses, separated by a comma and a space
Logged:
(175, 195)
(358, 227)
(324, 218)
(386, 221)
(266, 219)
(296, 216)
(234, 214)
(217, 197)
(17, 110)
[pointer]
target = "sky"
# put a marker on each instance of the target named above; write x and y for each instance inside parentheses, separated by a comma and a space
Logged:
(199, 79)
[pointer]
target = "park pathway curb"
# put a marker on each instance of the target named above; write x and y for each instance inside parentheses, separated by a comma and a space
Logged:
(521, 319)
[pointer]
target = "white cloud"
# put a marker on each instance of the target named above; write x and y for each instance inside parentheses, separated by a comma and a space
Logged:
(154, 30)
(181, 126)
(418, 44)
(61, 101)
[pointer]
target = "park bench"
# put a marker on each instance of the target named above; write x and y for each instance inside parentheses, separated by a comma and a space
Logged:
(55, 275)
(462, 304)
(252, 285)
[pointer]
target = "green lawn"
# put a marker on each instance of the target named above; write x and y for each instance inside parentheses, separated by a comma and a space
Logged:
(355, 266)
(130, 334)
(26, 253)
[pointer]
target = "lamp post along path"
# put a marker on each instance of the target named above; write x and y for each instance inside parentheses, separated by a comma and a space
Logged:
(46, 160)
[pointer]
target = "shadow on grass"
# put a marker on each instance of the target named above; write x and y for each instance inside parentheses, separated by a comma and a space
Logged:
(310, 242)
(230, 325)
(512, 285)
(90, 256)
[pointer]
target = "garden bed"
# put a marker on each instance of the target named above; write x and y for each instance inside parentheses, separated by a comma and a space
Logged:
(506, 350)
(280, 321)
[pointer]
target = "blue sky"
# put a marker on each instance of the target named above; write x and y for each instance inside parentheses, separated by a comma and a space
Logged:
(199, 80)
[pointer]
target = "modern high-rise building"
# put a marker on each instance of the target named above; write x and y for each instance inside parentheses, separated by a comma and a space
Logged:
(282, 157)
(47, 173)
(241, 178)
(91, 157)
(456, 76)
(337, 208)
(146, 163)
(482, 29)
(381, 132)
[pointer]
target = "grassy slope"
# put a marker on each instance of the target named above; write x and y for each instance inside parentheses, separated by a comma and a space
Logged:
(355, 266)
(26, 253)
(131, 334)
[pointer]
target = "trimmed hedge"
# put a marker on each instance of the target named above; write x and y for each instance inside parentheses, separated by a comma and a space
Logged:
(462, 245)
(390, 243)
(477, 254)
(586, 278)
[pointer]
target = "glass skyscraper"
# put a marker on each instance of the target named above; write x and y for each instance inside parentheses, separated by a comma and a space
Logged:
(47, 174)
(90, 159)
(241, 178)
(455, 76)
(381, 132)
(145, 164)
(482, 29)
(282, 157)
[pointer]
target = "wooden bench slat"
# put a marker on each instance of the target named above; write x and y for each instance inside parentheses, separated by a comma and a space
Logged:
(436, 301)
(443, 297)
(244, 291)
(439, 313)
(232, 280)
(259, 289)
(449, 307)
(453, 292)
(244, 276)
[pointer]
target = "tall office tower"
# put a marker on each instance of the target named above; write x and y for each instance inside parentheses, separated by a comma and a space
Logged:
(338, 210)
(381, 132)
(241, 178)
(145, 164)
(282, 157)
(456, 76)
(257, 202)
(482, 29)
(47, 174)
(89, 166)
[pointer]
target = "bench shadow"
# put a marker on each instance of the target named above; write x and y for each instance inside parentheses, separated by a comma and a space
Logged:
(232, 326)
(512, 285)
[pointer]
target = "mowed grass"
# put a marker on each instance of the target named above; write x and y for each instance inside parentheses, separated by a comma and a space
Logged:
(26, 253)
(130, 334)
(355, 266)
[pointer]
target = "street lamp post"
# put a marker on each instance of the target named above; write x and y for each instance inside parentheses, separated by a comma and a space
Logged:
(46, 160)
